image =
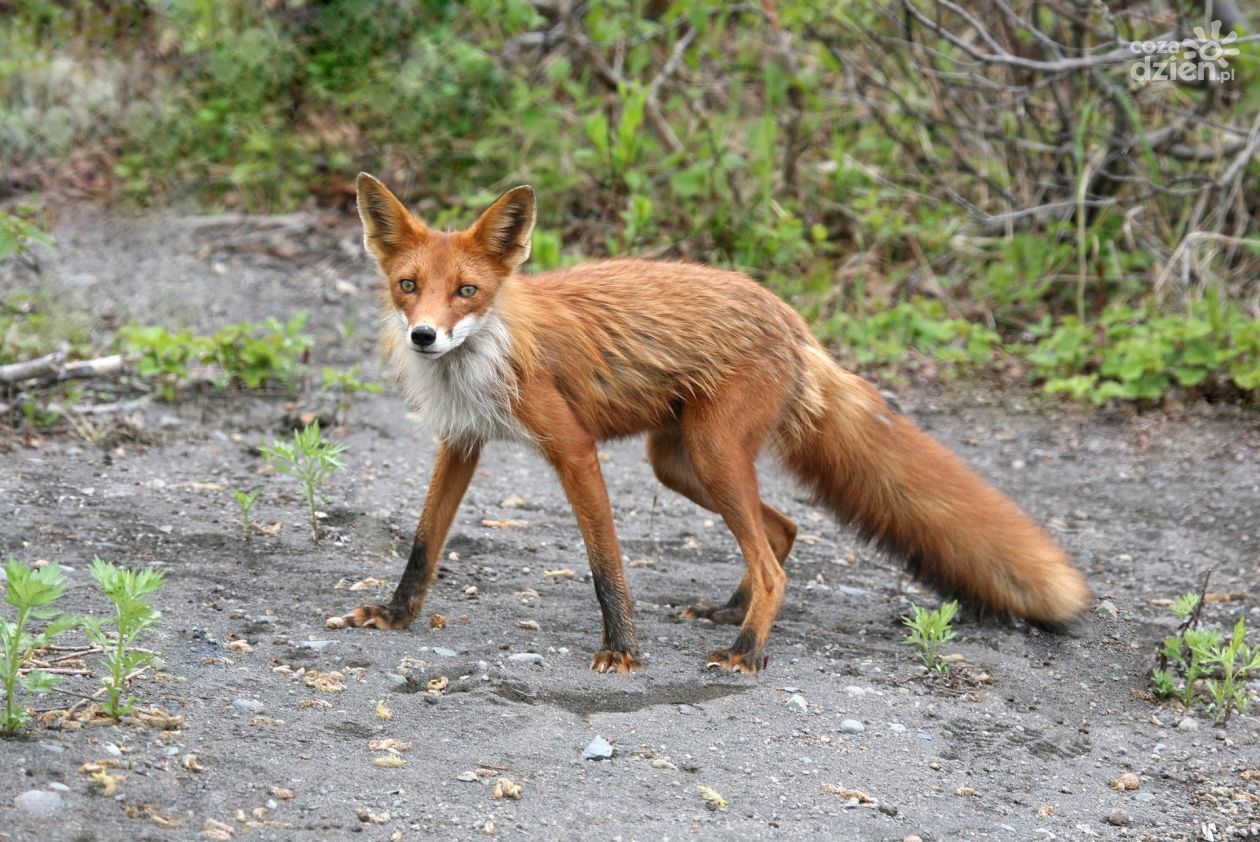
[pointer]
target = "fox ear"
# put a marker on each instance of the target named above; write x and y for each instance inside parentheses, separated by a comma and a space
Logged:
(504, 230)
(387, 224)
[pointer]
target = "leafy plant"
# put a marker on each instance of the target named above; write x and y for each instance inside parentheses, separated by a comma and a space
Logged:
(129, 591)
(162, 355)
(246, 355)
(245, 501)
(1236, 661)
(929, 630)
(1201, 663)
(311, 461)
(30, 591)
(17, 234)
(347, 384)
(251, 355)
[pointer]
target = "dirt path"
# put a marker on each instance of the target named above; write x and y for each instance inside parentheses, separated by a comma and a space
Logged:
(1145, 505)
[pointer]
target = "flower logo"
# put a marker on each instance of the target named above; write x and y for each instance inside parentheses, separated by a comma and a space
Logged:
(1208, 46)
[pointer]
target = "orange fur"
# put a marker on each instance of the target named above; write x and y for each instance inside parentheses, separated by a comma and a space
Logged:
(711, 366)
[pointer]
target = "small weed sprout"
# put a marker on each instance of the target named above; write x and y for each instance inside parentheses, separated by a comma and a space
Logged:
(133, 615)
(930, 629)
(348, 384)
(245, 501)
(1235, 662)
(30, 591)
(1201, 663)
(311, 461)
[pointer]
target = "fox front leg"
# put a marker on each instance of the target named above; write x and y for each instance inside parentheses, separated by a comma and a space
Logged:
(452, 472)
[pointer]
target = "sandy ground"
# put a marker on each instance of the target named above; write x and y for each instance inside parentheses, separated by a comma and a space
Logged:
(1022, 747)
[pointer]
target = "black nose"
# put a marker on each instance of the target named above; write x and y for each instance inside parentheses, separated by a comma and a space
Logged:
(423, 336)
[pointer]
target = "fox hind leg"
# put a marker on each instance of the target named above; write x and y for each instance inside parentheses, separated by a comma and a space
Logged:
(670, 462)
(722, 436)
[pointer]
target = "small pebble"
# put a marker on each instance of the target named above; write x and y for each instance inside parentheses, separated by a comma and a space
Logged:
(1188, 723)
(1118, 817)
(796, 700)
(467, 777)
(443, 652)
(1125, 783)
(525, 658)
(39, 803)
(248, 705)
(314, 645)
(851, 726)
(598, 749)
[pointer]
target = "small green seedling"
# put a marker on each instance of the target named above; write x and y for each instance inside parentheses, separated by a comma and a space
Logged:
(930, 629)
(30, 591)
(311, 461)
(245, 500)
(129, 590)
(347, 383)
(1236, 661)
(1201, 663)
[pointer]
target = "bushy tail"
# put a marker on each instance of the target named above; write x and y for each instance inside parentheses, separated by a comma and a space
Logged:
(880, 473)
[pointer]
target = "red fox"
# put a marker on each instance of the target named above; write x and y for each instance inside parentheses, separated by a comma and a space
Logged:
(712, 367)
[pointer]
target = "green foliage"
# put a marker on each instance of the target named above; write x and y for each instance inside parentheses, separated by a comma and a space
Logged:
(1236, 662)
(919, 325)
(30, 327)
(18, 234)
(243, 355)
(1203, 664)
(30, 591)
(245, 502)
(250, 355)
(311, 461)
(129, 591)
(929, 630)
(346, 383)
(1136, 353)
(163, 356)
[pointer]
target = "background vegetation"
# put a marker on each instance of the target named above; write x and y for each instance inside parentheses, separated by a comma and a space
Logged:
(980, 183)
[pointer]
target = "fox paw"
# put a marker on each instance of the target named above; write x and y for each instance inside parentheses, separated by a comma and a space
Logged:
(727, 659)
(726, 615)
(610, 660)
(374, 617)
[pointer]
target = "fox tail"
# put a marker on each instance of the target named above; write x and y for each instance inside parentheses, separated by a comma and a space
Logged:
(878, 472)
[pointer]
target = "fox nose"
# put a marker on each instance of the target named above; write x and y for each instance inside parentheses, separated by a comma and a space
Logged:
(423, 336)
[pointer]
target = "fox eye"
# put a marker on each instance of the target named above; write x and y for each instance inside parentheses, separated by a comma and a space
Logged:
(466, 291)
(407, 285)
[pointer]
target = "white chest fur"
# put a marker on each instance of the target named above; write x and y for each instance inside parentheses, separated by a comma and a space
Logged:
(464, 395)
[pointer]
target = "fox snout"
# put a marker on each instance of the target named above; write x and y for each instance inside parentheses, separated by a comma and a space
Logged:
(422, 337)
(431, 340)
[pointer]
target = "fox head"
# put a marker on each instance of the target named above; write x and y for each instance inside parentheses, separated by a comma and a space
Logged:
(441, 284)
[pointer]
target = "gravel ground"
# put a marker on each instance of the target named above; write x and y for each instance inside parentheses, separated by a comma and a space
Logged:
(843, 737)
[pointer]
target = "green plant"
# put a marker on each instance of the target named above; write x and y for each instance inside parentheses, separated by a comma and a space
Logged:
(251, 355)
(929, 630)
(17, 234)
(347, 384)
(1236, 661)
(311, 461)
(246, 355)
(129, 591)
(162, 355)
(245, 501)
(30, 591)
(1138, 353)
(1200, 663)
